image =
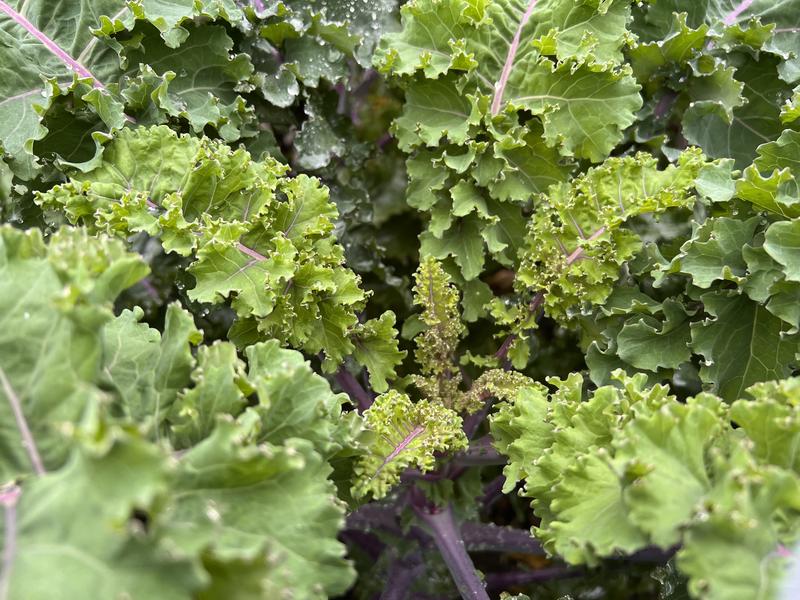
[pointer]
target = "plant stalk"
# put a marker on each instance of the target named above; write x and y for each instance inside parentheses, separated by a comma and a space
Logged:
(444, 530)
(503, 581)
(480, 453)
(350, 385)
(401, 578)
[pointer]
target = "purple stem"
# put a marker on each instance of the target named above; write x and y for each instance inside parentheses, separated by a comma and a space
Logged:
(401, 577)
(22, 424)
(447, 537)
(360, 93)
(493, 491)
(485, 537)
(383, 140)
(479, 537)
(488, 537)
(651, 554)
(368, 542)
(502, 352)
(250, 252)
(50, 44)
(664, 104)
(341, 105)
(473, 421)
(480, 453)
(369, 516)
(360, 396)
(500, 87)
(150, 289)
(731, 17)
(503, 581)
(578, 252)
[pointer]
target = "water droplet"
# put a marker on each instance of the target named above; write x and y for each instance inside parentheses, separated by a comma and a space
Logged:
(26, 316)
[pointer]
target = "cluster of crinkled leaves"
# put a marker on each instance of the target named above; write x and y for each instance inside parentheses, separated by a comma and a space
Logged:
(509, 104)
(722, 298)
(635, 168)
(256, 236)
(286, 78)
(632, 466)
(139, 464)
(401, 434)
(488, 129)
(632, 166)
(210, 64)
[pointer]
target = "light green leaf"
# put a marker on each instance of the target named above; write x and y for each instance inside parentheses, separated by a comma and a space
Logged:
(594, 30)
(426, 177)
(708, 124)
(679, 45)
(783, 152)
(530, 166)
(260, 239)
(434, 292)
(790, 112)
(715, 181)
(771, 422)
(207, 77)
(776, 193)
(217, 390)
(54, 302)
(132, 352)
(668, 451)
(25, 61)
(592, 516)
(782, 242)
(462, 241)
(240, 501)
(430, 39)
(293, 400)
(561, 447)
(176, 360)
(520, 431)
(740, 515)
(76, 531)
(168, 16)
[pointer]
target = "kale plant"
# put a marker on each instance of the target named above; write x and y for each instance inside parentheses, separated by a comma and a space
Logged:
(307, 299)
